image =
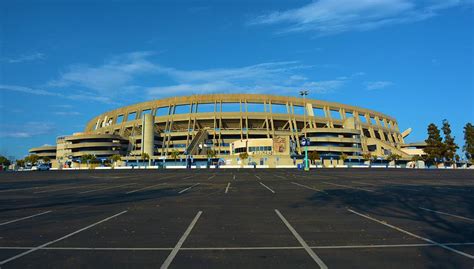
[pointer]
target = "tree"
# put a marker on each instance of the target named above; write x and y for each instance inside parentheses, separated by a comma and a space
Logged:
(449, 146)
(468, 147)
(4, 161)
(211, 153)
(343, 157)
(374, 157)
(393, 157)
(434, 145)
(89, 159)
(33, 159)
(416, 159)
(20, 163)
(145, 157)
(46, 159)
(244, 156)
(314, 156)
(174, 154)
(115, 158)
(367, 157)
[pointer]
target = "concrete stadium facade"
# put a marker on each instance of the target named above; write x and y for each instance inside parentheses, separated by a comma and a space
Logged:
(194, 125)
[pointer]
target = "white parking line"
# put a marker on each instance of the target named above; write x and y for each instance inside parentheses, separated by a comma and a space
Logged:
(107, 188)
(391, 246)
(211, 177)
(189, 188)
(266, 187)
(227, 188)
(23, 189)
(348, 187)
(308, 187)
(241, 248)
(414, 235)
(447, 214)
(59, 239)
(149, 187)
(257, 177)
(364, 183)
(234, 177)
(28, 217)
(391, 186)
(70, 188)
(301, 241)
(175, 250)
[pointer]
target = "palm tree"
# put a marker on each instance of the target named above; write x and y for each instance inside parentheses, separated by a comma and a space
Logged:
(4, 161)
(20, 163)
(343, 158)
(210, 155)
(33, 159)
(174, 154)
(89, 159)
(243, 156)
(145, 157)
(313, 156)
(115, 158)
(367, 157)
(416, 159)
(395, 158)
(374, 157)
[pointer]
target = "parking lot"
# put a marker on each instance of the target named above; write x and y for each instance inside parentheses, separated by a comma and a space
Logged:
(248, 218)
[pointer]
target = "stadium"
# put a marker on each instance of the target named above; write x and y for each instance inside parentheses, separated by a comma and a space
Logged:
(222, 126)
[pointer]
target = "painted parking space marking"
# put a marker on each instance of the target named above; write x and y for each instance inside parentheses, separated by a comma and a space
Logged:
(364, 183)
(59, 239)
(414, 235)
(107, 188)
(70, 188)
(27, 217)
(301, 241)
(447, 214)
(188, 188)
(227, 188)
(24, 189)
(308, 187)
(146, 188)
(414, 245)
(257, 177)
(348, 187)
(268, 188)
(178, 245)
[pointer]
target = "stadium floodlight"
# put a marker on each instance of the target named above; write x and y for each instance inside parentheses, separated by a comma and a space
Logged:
(304, 93)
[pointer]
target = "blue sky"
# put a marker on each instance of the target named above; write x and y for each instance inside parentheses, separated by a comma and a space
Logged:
(64, 62)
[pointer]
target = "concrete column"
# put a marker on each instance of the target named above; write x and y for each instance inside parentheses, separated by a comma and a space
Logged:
(148, 136)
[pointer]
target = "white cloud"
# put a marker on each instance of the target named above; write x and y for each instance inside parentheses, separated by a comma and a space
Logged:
(27, 90)
(66, 106)
(77, 96)
(120, 75)
(67, 113)
(27, 130)
(26, 58)
(326, 17)
(109, 78)
(377, 85)
(273, 77)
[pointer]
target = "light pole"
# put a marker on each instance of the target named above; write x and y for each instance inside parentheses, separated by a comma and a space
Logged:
(306, 166)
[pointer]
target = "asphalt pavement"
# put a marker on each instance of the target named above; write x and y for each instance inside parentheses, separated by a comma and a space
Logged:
(237, 218)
